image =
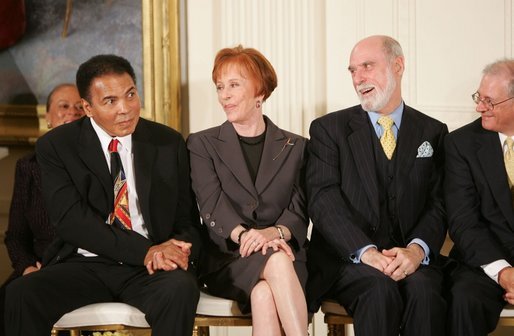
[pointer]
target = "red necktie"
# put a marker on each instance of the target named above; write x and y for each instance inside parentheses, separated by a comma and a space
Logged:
(120, 215)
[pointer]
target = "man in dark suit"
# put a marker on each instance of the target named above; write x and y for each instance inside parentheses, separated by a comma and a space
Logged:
(478, 190)
(138, 250)
(376, 203)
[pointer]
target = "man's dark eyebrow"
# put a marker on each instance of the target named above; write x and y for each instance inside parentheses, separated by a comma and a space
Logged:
(114, 97)
(108, 97)
(365, 63)
(130, 89)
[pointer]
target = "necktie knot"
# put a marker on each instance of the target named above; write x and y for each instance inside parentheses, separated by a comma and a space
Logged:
(387, 140)
(113, 146)
(508, 149)
(386, 122)
(509, 142)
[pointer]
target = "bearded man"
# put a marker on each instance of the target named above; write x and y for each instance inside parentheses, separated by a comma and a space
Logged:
(374, 184)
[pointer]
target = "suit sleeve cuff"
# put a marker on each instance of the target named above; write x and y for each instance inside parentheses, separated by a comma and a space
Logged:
(494, 268)
(425, 248)
(356, 257)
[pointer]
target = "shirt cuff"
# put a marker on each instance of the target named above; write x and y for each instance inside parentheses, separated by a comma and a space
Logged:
(425, 248)
(494, 268)
(356, 257)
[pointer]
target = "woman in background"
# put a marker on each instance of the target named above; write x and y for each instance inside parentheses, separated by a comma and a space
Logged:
(247, 177)
(28, 232)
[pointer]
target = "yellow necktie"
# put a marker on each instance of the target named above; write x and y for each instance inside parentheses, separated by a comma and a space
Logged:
(387, 140)
(509, 160)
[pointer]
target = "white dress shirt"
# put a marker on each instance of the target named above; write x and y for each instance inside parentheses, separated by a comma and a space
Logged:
(127, 160)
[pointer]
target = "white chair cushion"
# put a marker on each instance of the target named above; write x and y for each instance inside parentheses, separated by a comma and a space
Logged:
(216, 306)
(508, 311)
(109, 313)
(106, 313)
(332, 307)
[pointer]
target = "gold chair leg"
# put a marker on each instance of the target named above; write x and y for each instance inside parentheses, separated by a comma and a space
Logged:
(336, 330)
(330, 330)
(74, 332)
(342, 329)
(203, 331)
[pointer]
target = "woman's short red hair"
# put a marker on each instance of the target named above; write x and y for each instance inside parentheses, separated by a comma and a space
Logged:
(251, 63)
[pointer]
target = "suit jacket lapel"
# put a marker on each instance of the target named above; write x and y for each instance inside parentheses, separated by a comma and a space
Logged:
(91, 153)
(277, 147)
(362, 150)
(144, 160)
(490, 153)
(410, 138)
(229, 150)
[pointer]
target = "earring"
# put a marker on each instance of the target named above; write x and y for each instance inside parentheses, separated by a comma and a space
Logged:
(258, 104)
(48, 125)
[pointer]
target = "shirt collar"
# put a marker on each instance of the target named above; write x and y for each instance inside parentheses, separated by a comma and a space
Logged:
(105, 139)
(396, 115)
(503, 137)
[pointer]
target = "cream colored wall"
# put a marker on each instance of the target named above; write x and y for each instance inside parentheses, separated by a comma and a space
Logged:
(446, 44)
(286, 31)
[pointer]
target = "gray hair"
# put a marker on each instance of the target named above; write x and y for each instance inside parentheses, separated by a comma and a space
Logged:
(502, 67)
(392, 48)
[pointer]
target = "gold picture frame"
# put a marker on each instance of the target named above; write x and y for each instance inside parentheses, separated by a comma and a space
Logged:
(161, 59)
(23, 124)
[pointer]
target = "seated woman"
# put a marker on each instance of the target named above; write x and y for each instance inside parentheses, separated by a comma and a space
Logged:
(248, 180)
(28, 232)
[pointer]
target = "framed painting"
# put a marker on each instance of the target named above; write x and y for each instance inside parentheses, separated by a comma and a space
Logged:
(61, 34)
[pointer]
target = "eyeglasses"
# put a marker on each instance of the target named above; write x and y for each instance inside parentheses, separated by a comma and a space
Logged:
(487, 101)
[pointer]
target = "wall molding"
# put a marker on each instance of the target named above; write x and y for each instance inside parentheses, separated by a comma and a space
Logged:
(19, 125)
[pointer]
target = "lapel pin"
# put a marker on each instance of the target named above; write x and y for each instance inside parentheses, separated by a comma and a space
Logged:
(288, 143)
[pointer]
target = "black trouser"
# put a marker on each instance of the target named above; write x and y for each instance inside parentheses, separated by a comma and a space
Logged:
(382, 306)
(475, 302)
(36, 301)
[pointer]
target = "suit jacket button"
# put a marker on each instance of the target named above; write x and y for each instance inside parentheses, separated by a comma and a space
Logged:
(220, 230)
(207, 216)
(373, 228)
(213, 223)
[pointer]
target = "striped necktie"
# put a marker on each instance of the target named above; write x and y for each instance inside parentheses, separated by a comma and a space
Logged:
(387, 140)
(120, 215)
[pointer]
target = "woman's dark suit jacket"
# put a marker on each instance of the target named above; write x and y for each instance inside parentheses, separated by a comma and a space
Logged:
(29, 232)
(227, 196)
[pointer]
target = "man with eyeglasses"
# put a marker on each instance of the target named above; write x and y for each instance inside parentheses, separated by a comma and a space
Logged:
(479, 200)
